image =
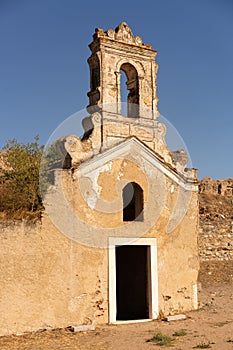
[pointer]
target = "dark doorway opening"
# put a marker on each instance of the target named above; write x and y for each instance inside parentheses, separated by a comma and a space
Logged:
(133, 282)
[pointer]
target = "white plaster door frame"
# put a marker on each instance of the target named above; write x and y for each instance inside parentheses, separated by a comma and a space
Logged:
(119, 241)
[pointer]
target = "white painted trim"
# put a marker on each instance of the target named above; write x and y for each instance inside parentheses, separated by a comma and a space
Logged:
(195, 297)
(154, 281)
(112, 284)
(133, 321)
(121, 149)
(118, 241)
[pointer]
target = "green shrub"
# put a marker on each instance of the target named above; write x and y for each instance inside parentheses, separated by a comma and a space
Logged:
(180, 333)
(161, 339)
(202, 346)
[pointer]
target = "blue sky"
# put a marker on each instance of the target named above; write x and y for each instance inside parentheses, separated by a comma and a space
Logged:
(44, 76)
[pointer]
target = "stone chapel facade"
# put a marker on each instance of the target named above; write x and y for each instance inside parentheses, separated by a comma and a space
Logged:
(119, 240)
(133, 186)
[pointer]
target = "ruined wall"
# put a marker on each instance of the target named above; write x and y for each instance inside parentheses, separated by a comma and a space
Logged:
(222, 187)
(216, 219)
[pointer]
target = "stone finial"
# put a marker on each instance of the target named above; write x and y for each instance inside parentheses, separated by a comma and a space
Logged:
(124, 33)
(121, 33)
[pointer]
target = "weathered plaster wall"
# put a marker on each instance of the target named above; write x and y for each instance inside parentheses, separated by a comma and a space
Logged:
(47, 280)
(177, 251)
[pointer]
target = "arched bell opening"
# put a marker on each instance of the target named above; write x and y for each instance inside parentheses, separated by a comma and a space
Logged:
(129, 78)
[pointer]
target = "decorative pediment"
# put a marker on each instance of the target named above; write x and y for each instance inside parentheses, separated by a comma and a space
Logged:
(134, 149)
(121, 33)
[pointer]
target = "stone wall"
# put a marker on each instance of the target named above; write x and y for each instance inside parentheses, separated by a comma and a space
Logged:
(216, 219)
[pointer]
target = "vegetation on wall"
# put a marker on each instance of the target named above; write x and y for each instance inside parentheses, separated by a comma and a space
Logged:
(19, 180)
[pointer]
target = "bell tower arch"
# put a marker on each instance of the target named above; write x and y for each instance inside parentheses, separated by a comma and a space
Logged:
(133, 90)
(119, 50)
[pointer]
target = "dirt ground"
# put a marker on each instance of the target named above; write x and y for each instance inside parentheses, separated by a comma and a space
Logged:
(209, 327)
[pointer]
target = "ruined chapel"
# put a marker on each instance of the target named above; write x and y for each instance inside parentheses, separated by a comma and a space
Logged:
(118, 241)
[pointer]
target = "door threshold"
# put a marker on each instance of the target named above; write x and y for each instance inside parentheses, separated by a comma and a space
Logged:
(132, 321)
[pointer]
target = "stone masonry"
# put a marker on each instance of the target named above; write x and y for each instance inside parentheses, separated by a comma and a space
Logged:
(216, 219)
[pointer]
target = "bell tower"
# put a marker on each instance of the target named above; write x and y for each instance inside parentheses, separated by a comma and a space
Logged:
(114, 52)
(112, 119)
